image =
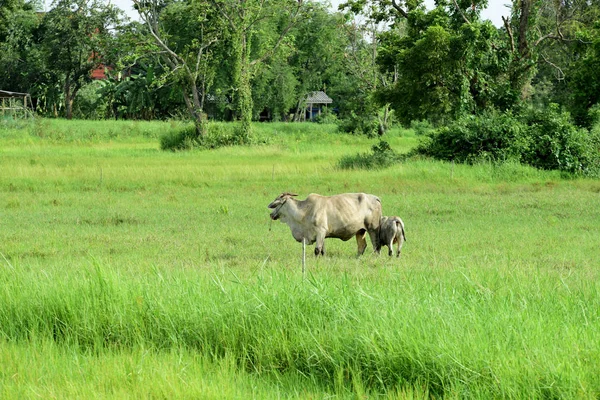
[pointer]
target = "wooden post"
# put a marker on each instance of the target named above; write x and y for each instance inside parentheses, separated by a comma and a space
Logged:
(303, 258)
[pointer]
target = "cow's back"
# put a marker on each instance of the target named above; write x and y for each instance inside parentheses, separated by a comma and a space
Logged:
(343, 215)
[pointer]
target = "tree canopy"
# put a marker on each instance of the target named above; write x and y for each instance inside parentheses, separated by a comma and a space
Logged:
(382, 61)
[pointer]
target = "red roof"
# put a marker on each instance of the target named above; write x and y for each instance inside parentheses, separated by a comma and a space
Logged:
(99, 73)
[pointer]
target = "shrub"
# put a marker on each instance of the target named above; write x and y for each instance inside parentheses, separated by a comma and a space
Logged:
(558, 144)
(545, 139)
(491, 136)
(326, 117)
(381, 156)
(359, 125)
(219, 135)
(89, 103)
(421, 127)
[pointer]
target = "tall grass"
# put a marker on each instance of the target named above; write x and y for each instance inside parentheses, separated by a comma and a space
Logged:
(156, 274)
(503, 330)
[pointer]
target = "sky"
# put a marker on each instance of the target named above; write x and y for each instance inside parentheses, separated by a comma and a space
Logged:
(496, 8)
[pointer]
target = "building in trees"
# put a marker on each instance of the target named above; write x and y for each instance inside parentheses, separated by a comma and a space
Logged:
(314, 104)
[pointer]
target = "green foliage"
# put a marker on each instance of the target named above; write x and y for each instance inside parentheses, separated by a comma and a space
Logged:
(584, 79)
(557, 144)
(445, 68)
(381, 156)
(89, 102)
(326, 117)
(495, 136)
(218, 135)
(73, 37)
(130, 271)
(545, 139)
(359, 125)
(422, 127)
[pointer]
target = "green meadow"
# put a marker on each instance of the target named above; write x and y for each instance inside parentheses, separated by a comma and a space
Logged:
(131, 272)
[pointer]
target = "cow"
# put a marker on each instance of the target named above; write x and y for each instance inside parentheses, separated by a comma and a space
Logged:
(340, 216)
(391, 230)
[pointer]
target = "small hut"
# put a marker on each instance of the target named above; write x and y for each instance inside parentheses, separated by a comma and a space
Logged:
(314, 103)
(15, 104)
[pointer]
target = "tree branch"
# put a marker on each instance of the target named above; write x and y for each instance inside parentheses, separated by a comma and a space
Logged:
(548, 36)
(282, 35)
(561, 74)
(510, 34)
(146, 18)
(461, 13)
(399, 9)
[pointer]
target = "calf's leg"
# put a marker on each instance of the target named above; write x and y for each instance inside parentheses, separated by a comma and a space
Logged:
(400, 243)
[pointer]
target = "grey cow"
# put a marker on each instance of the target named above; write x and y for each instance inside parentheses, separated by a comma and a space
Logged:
(391, 230)
(341, 216)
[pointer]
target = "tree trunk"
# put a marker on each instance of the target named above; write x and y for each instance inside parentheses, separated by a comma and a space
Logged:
(521, 71)
(68, 99)
(195, 111)
(241, 81)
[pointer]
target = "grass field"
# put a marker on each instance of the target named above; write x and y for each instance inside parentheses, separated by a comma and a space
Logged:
(131, 272)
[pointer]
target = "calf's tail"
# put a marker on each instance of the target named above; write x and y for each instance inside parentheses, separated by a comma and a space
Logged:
(400, 225)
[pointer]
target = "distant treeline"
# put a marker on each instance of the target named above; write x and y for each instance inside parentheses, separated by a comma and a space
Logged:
(380, 62)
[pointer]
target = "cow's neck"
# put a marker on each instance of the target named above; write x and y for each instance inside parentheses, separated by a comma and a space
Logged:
(294, 216)
(293, 213)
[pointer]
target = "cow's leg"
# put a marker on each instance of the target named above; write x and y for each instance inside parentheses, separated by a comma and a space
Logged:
(320, 244)
(361, 241)
(374, 236)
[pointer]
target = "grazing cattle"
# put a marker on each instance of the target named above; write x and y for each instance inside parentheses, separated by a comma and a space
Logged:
(341, 216)
(391, 230)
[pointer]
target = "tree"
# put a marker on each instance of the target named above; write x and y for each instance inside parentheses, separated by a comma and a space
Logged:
(74, 35)
(318, 56)
(243, 17)
(566, 69)
(441, 63)
(18, 23)
(182, 33)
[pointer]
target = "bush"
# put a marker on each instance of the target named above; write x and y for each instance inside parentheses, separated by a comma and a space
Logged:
(491, 136)
(421, 127)
(219, 135)
(381, 156)
(89, 103)
(358, 125)
(545, 139)
(326, 117)
(555, 143)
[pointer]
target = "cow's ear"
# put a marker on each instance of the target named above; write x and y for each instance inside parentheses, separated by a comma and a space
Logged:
(288, 194)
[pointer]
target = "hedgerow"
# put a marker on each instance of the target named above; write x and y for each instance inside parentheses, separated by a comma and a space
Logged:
(545, 139)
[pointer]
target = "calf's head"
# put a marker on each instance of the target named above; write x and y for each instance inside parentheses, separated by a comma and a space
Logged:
(278, 203)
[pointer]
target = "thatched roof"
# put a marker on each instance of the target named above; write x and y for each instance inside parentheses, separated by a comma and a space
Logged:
(318, 98)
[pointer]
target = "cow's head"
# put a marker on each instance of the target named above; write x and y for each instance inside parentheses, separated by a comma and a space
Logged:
(278, 203)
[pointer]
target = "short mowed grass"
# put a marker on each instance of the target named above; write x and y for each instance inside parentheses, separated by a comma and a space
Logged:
(127, 271)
